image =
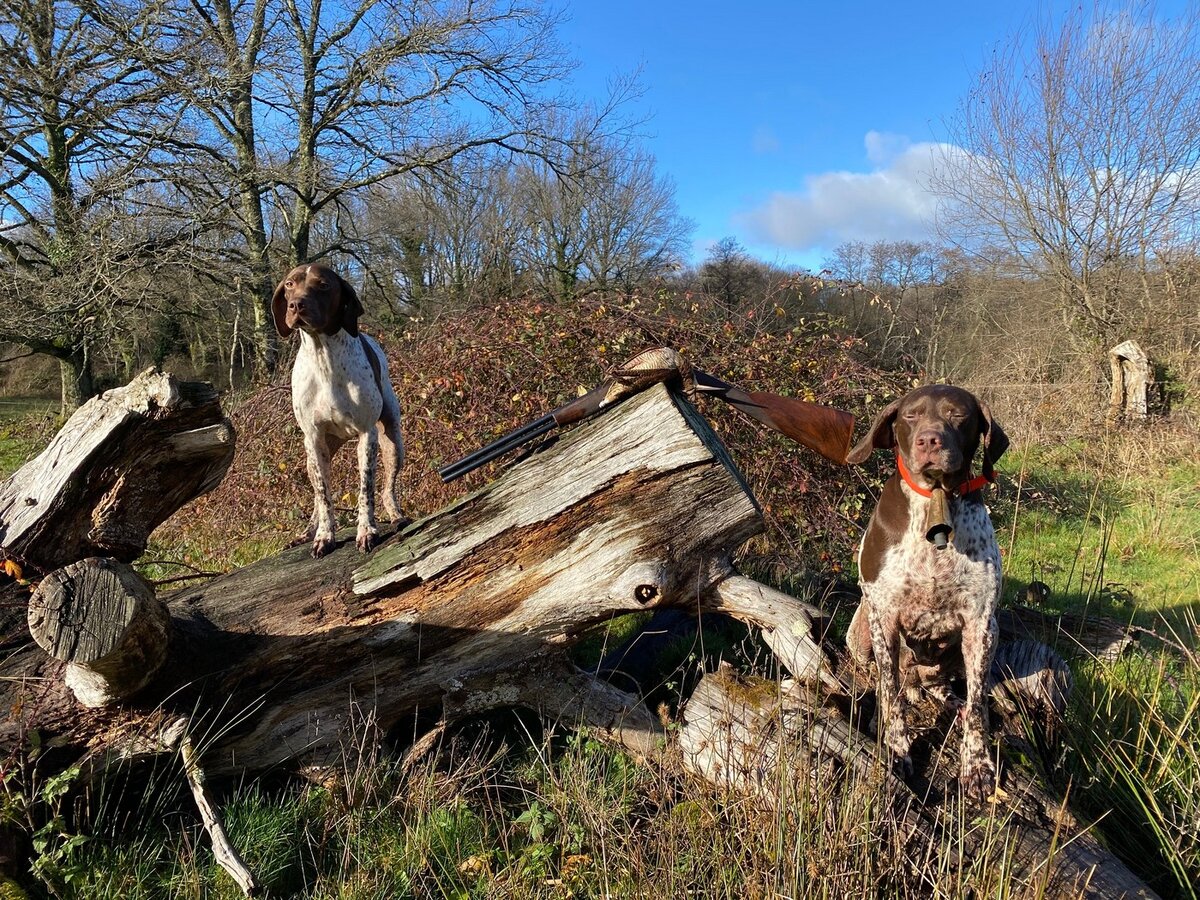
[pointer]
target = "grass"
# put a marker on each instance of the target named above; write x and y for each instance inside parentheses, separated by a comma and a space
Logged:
(1104, 533)
(1112, 526)
(26, 424)
(516, 813)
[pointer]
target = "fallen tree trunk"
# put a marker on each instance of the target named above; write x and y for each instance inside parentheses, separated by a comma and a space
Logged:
(635, 510)
(279, 663)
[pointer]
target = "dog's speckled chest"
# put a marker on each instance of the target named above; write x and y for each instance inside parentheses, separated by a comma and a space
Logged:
(935, 591)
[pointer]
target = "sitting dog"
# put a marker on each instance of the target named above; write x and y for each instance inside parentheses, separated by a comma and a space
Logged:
(928, 614)
(340, 390)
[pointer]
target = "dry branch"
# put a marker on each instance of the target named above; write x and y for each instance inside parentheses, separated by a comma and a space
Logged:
(122, 464)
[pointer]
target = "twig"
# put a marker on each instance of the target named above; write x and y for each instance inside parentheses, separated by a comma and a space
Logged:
(159, 582)
(226, 855)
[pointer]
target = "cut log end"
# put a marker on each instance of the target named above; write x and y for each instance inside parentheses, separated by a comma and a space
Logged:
(103, 619)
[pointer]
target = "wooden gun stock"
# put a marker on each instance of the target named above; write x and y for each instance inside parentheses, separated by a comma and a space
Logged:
(824, 429)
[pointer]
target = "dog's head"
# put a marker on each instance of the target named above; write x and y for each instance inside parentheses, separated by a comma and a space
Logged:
(936, 429)
(316, 299)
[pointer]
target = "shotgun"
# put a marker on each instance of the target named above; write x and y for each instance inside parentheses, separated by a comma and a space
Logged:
(821, 428)
(645, 369)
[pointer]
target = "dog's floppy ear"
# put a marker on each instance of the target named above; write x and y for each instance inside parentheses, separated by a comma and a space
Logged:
(349, 309)
(878, 437)
(995, 441)
(279, 309)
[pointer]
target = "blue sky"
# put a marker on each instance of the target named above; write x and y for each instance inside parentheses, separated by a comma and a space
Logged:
(792, 126)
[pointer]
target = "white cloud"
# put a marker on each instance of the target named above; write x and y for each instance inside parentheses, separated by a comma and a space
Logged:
(883, 147)
(890, 202)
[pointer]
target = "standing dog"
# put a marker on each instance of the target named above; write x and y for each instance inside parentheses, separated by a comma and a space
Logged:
(928, 614)
(340, 390)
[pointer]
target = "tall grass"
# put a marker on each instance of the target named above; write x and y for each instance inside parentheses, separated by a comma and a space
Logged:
(517, 813)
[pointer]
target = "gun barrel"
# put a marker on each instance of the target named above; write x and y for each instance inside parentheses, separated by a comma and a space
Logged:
(567, 414)
(498, 447)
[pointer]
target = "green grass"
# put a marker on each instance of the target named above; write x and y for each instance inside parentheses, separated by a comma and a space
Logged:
(1103, 534)
(25, 424)
(1112, 526)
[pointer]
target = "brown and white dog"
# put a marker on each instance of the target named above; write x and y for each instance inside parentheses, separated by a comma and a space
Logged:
(340, 390)
(928, 615)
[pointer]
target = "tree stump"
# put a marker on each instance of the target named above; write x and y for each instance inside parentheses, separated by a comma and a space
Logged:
(1132, 376)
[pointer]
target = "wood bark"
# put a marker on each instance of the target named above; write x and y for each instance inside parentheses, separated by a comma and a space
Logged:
(471, 608)
(1132, 376)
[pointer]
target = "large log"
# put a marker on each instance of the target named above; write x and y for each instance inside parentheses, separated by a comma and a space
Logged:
(637, 509)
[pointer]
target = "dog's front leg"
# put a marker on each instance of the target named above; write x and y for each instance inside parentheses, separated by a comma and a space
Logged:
(316, 449)
(368, 457)
(978, 773)
(885, 645)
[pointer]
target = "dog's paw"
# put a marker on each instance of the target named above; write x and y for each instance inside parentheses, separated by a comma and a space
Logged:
(367, 541)
(978, 778)
(322, 547)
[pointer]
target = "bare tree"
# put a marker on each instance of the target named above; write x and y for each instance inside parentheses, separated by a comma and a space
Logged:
(635, 230)
(1076, 158)
(296, 107)
(85, 218)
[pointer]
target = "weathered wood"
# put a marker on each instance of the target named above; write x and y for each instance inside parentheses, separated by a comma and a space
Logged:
(122, 464)
(791, 628)
(1132, 376)
(773, 741)
(633, 510)
(102, 619)
(1072, 634)
(224, 852)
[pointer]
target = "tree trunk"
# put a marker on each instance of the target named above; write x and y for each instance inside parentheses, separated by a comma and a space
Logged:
(1132, 376)
(637, 509)
(78, 383)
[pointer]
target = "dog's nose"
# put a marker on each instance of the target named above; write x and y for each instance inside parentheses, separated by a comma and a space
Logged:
(928, 440)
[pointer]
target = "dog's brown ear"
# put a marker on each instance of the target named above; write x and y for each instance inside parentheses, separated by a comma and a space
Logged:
(349, 309)
(279, 310)
(995, 441)
(878, 437)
